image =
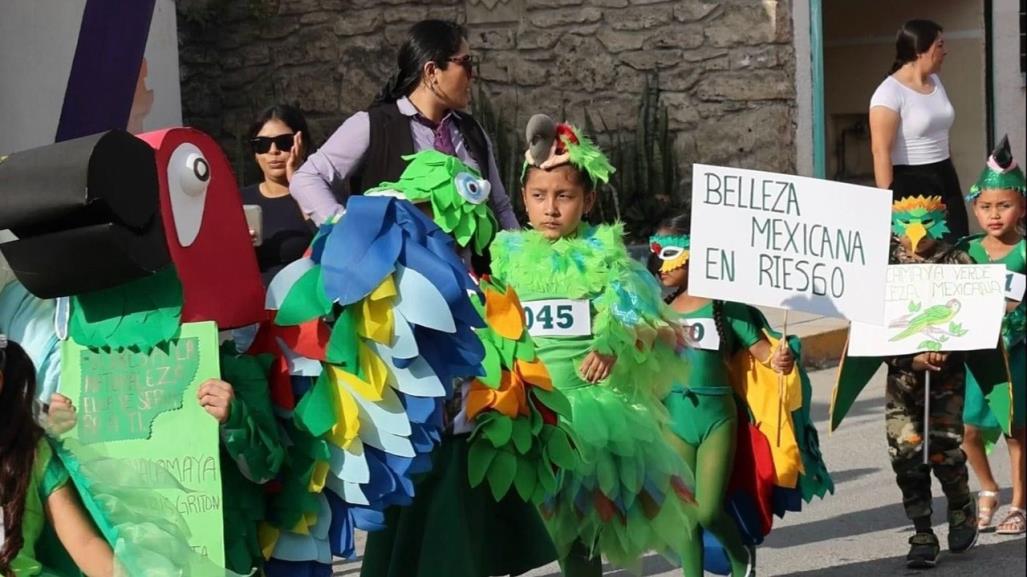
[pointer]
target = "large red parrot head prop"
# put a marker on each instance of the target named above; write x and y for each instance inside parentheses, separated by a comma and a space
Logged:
(107, 209)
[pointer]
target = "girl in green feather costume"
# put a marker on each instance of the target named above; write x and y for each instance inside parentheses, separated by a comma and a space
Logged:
(601, 328)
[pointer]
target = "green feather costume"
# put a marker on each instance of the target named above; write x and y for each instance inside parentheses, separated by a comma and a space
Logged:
(625, 498)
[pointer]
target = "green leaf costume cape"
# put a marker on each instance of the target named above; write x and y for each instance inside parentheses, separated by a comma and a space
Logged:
(625, 497)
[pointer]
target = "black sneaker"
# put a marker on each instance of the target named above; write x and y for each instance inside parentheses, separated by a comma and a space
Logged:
(923, 551)
(963, 530)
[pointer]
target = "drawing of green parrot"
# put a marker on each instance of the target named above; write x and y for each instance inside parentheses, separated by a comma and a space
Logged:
(917, 217)
(927, 321)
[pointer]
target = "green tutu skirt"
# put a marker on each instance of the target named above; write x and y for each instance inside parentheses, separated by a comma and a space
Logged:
(625, 499)
(455, 530)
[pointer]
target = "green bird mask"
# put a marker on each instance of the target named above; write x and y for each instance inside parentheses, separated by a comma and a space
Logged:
(916, 217)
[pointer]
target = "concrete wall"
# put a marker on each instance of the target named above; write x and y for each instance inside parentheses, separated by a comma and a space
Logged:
(1010, 110)
(725, 66)
(858, 52)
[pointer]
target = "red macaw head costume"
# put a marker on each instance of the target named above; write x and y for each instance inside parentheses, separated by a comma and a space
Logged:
(99, 211)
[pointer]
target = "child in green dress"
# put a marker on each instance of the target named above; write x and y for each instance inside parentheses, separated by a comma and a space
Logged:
(998, 203)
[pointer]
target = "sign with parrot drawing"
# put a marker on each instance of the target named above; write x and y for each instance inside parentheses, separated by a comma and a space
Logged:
(932, 307)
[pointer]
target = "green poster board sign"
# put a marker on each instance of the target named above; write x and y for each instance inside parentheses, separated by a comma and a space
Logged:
(135, 405)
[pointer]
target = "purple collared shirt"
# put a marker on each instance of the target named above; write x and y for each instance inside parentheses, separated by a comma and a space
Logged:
(327, 170)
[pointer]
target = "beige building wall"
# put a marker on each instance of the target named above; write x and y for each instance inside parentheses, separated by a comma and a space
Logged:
(1010, 111)
(859, 46)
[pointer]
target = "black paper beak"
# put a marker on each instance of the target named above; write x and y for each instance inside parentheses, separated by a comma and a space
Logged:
(86, 213)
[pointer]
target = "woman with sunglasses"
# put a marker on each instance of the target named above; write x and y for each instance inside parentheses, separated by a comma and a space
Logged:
(418, 109)
(278, 138)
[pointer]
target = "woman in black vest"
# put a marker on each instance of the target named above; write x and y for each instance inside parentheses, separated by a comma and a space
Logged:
(418, 109)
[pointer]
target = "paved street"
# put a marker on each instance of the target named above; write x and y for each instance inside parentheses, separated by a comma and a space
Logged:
(860, 531)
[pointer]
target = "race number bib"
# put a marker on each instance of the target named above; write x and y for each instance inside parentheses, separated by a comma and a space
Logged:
(702, 333)
(558, 318)
(1015, 283)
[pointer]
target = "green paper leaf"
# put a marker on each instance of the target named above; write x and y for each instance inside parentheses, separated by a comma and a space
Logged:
(522, 435)
(547, 479)
(138, 314)
(306, 300)
(929, 345)
(486, 230)
(526, 479)
(479, 459)
(555, 400)
(499, 431)
(502, 473)
(507, 351)
(463, 231)
(342, 345)
(913, 306)
(493, 370)
(536, 421)
(559, 449)
(315, 411)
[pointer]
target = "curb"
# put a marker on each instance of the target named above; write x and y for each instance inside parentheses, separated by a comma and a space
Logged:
(823, 349)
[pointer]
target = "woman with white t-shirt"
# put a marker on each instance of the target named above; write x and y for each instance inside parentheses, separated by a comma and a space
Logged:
(910, 119)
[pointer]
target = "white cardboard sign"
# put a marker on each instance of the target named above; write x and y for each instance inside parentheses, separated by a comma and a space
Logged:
(1015, 285)
(789, 242)
(935, 307)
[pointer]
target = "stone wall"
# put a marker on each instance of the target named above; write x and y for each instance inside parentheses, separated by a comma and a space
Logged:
(725, 67)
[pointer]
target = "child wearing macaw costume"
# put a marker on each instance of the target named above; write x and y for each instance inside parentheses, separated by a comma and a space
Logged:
(412, 393)
(918, 223)
(998, 203)
(608, 340)
(731, 345)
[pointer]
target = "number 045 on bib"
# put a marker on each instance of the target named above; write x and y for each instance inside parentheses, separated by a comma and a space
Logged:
(558, 318)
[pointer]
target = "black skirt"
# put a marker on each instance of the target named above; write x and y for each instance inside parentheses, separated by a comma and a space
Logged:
(935, 179)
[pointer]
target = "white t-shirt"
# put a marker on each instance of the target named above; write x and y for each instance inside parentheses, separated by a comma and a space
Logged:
(924, 121)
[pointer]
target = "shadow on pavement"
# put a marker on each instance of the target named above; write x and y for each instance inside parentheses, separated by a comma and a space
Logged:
(847, 475)
(1005, 558)
(886, 517)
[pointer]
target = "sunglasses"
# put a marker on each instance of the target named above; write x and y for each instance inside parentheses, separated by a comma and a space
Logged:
(468, 62)
(262, 144)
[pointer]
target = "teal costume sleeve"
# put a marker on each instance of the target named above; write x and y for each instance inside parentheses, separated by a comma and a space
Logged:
(55, 476)
(742, 324)
(29, 321)
(250, 435)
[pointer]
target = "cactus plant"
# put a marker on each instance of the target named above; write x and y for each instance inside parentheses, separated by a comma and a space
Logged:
(646, 187)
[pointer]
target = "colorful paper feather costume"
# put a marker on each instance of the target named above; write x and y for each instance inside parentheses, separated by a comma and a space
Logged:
(376, 332)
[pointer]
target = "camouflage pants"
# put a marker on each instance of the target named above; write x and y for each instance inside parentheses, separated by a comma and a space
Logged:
(905, 426)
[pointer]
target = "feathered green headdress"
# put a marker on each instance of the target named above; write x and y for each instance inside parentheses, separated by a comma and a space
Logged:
(551, 144)
(1001, 173)
(457, 194)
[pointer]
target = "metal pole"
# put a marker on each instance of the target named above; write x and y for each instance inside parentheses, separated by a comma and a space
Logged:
(927, 415)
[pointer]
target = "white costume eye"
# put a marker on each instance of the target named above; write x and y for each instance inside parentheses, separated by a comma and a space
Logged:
(473, 190)
(670, 252)
(188, 178)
